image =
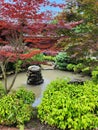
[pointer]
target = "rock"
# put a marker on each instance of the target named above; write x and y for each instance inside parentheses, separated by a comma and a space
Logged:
(76, 81)
(34, 75)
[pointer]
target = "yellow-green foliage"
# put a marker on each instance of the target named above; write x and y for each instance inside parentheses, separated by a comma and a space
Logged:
(16, 108)
(70, 106)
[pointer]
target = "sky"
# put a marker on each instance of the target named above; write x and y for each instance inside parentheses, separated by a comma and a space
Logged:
(54, 8)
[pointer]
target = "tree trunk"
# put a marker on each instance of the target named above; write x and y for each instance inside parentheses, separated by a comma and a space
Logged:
(4, 76)
(13, 81)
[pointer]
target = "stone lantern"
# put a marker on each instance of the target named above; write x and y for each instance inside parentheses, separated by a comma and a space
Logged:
(34, 75)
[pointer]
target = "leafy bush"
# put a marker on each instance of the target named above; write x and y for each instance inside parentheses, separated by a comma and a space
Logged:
(18, 65)
(28, 97)
(86, 70)
(49, 58)
(74, 67)
(16, 108)
(70, 66)
(70, 106)
(38, 57)
(61, 60)
(78, 67)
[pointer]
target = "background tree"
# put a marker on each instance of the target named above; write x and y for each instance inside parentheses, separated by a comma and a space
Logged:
(84, 37)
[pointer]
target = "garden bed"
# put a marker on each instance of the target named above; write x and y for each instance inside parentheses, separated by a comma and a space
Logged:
(34, 124)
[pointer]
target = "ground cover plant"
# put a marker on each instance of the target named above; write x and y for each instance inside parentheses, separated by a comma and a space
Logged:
(70, 106)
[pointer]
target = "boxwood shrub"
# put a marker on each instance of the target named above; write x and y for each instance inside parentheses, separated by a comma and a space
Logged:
(70, 106)
(62, 60)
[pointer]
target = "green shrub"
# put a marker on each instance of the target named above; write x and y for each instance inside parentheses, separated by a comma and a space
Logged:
(18, 65)
(38, 57)
(49, 58)
(70, 66)
(28, 97)
(16, 109)
(86, 70)
(78, 67)
(61, 60)
(70, 106)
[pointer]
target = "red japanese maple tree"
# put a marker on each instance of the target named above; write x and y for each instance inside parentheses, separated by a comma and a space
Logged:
(19, 18)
